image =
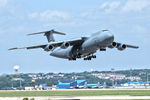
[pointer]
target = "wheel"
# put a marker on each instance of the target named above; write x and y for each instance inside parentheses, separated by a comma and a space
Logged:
(94, 56)
(85, 58)
(73, 58)
(102, 49)
(78, 56)
(89, 58)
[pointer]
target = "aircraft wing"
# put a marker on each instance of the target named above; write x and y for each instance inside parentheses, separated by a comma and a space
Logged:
(131, 46)
(71, 42)
(128, 46)
(30, 47)
(76, 41)
(55, 44)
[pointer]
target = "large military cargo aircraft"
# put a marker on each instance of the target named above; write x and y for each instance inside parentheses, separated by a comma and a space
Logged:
(85, 47)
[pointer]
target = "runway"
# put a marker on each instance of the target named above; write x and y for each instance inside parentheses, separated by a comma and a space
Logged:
(81, 98)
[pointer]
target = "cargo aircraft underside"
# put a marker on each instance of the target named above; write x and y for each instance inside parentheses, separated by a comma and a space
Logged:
(85, 47)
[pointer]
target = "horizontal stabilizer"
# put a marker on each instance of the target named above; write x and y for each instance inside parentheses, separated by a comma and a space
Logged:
(49, 34)
(45, 32)
(16, 48)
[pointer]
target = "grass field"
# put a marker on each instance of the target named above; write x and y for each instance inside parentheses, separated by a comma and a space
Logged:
(75, 93)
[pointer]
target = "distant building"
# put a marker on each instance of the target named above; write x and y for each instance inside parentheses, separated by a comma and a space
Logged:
(66, 84)
(134, 85)
(29, 88)
(43, 86)
(115, 76)
(93, 86)
(133, 78)
(81, 83)
(69, 84)
(98, 85)
(109, 76)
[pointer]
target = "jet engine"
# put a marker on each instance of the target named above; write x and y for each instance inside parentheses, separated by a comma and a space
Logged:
(113, 45)
(122, 47)
(65, 45)
(49, 48)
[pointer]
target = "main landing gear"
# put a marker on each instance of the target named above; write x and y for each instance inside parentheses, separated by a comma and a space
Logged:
(90, 57)
(72, 59)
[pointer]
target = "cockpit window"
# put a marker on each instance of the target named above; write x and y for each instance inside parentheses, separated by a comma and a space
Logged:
(100, 32)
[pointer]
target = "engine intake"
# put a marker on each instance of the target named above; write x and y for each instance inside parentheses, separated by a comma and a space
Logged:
(122, 47)
(65, 45)
(113, 45)
(49, 48)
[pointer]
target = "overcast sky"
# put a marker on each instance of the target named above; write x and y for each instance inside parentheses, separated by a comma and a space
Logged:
(128, 20)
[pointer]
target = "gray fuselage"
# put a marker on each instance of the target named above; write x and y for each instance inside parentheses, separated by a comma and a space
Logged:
(96, 41)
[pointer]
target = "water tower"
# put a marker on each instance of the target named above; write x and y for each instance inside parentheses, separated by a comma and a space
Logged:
(92, 69)
(16, 68)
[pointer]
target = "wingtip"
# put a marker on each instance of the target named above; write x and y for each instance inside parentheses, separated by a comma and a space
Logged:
(12, 48)
(63, 33)
(28, 34)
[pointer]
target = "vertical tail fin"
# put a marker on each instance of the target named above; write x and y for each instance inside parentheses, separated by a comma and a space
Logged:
(49, 34)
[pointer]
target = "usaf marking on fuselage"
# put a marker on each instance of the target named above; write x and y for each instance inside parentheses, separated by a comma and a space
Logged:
(85, 47)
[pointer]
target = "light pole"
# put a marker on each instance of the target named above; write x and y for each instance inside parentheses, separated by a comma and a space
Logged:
(147, 74)
(33, 84)
(113, 78)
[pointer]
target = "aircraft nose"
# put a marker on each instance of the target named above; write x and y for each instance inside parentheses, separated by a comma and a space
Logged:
(52, 54)
(110, 36)
(55, 53)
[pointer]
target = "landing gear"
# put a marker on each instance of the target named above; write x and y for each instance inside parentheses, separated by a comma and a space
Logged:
(78, 55)
(94, 56)
(103, 49)
(72, 59)
(90, 57)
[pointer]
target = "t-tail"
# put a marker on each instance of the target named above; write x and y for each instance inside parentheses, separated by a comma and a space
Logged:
(49, 34)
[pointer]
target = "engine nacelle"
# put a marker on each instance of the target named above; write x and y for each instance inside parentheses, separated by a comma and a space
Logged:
(122, 47)
(113, 45)
(65, 45)
(49, 48)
